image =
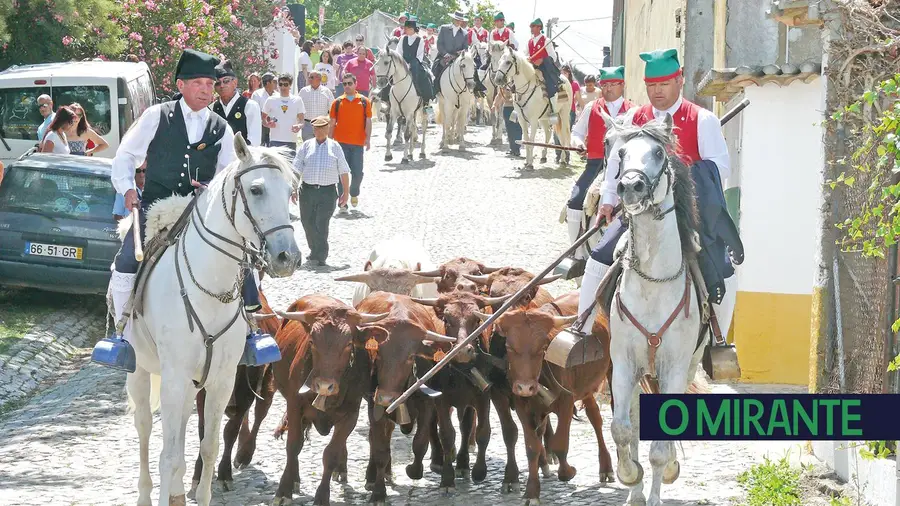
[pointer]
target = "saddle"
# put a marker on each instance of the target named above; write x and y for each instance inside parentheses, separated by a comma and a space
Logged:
(161, 233)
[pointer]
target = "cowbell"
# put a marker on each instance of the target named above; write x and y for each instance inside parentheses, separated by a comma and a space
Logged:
(260, 349)
(114, 352)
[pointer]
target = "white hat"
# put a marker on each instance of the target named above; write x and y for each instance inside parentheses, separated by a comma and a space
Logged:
(459, 16)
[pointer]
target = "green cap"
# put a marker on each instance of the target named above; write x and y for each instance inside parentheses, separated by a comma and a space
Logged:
(194, 64)
(499, 15)
(612, 74)
(662, 65)
(431, 25)
(537, 22)
(512, 25)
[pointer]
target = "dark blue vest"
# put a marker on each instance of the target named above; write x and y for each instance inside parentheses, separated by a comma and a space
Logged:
(237, 118)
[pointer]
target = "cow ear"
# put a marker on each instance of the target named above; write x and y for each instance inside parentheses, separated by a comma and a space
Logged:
(368, 266)
(371, 332)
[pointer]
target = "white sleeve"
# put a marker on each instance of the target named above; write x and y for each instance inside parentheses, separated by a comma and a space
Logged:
(227, 153)
(300, 159)
(580, 130)
(711, 142)
(612, 168)
(302, 109)
(133, 150)
(254, 123)
(551, 51)
(512, 39)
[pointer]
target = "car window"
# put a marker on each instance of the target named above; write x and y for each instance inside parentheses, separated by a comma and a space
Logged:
(57, 193)
(20, 117)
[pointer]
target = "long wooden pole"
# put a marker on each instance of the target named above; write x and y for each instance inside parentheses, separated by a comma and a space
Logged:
(136, 227)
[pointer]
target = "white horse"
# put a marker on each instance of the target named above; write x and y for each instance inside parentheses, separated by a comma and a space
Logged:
(494, 51)
(243, 212)
(455, 98)
(655, 319)
(405, 102)
(385, 108)
(531, 104)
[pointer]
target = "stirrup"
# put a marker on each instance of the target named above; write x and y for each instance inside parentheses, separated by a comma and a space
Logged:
(260, 349)
(116, 353)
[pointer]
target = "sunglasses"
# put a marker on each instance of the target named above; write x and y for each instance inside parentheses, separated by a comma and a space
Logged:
(41, 106)
(284, 84)
(140, 171)
(227, 80)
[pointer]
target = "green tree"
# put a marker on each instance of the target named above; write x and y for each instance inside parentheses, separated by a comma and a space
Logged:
(39, 31)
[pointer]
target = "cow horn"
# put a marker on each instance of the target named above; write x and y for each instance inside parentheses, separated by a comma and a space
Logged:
(428, 274)
(488, 270)
(490, 301)
(421, 280)
(362, 277)
(302, 316)
(425, 302)
(560, 321)
(550, 279)
(439, 338)
(483, 317)
(370, 317)
(262, 316)
(481, 280)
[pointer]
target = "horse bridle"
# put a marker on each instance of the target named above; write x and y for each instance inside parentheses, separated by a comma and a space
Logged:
(390, 80)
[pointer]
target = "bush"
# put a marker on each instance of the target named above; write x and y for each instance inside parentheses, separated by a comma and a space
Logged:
(771, 483)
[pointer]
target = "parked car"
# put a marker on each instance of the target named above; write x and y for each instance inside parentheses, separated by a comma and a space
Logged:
(57, 231)
(114, 94)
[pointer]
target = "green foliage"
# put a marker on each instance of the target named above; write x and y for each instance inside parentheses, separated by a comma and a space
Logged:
(878, 450)
(39, 31)
(771, 483)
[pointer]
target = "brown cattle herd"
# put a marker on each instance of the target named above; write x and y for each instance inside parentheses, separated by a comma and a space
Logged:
(335, 356)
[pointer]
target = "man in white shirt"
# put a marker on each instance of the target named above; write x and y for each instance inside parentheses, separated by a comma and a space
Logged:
(283, 114)
(317, 101)
(321, 164)
(240, 112)
(184, 146)
(260, 96)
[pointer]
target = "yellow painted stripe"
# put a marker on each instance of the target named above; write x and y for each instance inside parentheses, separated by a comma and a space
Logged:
(772, 335)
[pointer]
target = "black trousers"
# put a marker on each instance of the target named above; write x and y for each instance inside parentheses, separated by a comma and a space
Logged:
(513, 130)
(317, 204)
(579, 191)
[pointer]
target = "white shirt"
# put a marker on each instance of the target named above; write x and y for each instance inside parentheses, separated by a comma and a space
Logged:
(316, 102)
(580, 130)
(320, 163)
(133, 150)
(60, 144)
(286, 112)
(710, 141)
(304, 59)
(254, 119)
(260, 96)
(328, 76)
(420, 51)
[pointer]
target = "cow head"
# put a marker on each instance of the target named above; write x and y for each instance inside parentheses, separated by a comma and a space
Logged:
(333, 342)
(397, 342)
(528, 333)
(389, 279)
(459, 312)
(509, 280)
(451, 275)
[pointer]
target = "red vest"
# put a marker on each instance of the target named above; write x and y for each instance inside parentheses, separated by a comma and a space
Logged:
(500, 35)
(597, 127)
(398, 32)
(534, 52)
(685, 127)
(483, 36)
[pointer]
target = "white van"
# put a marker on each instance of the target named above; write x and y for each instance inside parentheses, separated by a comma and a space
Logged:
(113, 94)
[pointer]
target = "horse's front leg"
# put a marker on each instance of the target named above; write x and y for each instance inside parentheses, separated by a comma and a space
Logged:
(624, 382)
(388, 155)
(177, 395)
(666, 468)
(138, 385)
(424, 132)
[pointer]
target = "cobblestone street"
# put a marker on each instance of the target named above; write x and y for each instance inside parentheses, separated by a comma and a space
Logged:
(73, 444)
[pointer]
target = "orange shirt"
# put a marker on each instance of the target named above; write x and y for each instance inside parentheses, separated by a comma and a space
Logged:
(350, 120)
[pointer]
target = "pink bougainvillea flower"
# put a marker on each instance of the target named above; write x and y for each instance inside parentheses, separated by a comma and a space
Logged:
(67, 40)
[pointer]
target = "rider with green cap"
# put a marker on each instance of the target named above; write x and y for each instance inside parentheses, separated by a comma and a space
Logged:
(502, 33)
(399, 31)
(543, 55)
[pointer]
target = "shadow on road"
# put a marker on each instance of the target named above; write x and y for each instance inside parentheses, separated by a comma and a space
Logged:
(550, 172)
(414, 165)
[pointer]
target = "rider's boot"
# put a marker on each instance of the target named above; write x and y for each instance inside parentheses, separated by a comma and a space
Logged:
(115, 351)
(554, 116)
(260, 348)
(573, 221)
(593, 275)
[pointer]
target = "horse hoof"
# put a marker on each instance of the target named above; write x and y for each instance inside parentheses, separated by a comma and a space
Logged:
(421, 156)
(639, 477)
(414, 471)
(227, 485)
(388, 158)
(510, 488)
(671, 472)
(404, 161)
(463, 474)
(447, 491)
(607, 477)
(545, 470)
(178, 500)
(238, 464)
(532, 502)
(279, 501)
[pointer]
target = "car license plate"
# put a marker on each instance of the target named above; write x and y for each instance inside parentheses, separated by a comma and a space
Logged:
(53, 250)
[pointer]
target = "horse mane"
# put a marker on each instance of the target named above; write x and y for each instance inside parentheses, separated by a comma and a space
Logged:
(687, 213)
(525, 67)
(275, 156)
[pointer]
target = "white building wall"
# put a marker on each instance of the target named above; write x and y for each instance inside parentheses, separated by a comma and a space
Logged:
(781, 158)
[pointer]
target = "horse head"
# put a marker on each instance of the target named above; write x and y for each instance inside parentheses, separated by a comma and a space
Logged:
(467, 67)
(507, 67)
(255, 191)
(644, 165)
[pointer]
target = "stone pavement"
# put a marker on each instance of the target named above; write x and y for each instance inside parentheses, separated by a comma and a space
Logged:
(73, 444)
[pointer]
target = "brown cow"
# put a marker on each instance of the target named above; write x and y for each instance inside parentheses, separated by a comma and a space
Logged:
(459, 313)
(251, 384)
(451, 275)
(322, 355)
(407, 340)
(508, 281)
(528, 333)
